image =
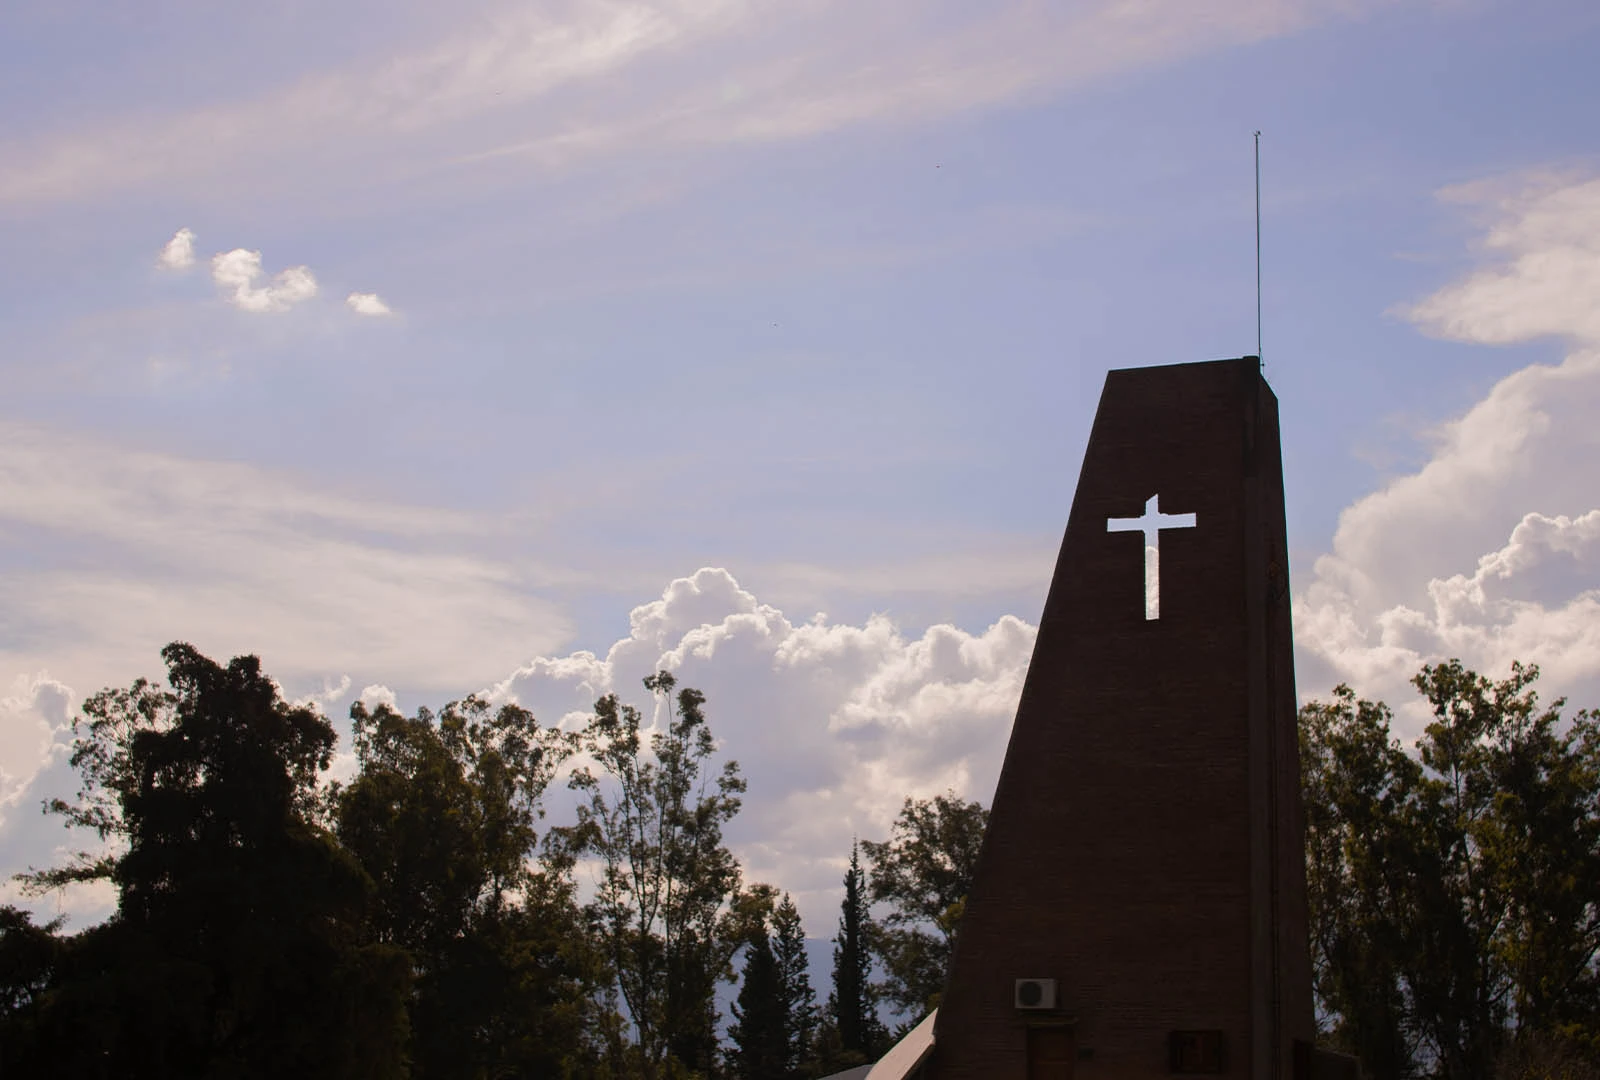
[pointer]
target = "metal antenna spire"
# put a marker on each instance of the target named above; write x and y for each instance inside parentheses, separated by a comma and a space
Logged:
(1258, 250)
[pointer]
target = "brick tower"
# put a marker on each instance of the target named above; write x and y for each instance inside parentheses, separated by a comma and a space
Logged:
(1139, 908)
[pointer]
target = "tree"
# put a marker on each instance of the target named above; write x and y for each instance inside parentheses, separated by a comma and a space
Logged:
(924, 872)
(794, 980)
(760, 1031)
(29, 958)
(776, 1012)
(1454, 921)
(1356, 782)
(1510, 810)
(668, 904)
(442, 815)
(237, 946)
(852, 1017)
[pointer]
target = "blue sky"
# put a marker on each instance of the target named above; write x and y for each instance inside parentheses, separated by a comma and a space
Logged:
(682, 322)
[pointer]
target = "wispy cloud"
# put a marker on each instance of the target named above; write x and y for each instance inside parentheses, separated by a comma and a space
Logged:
(152, 547)
(1544, 263)
(502, 62)
(605, 77)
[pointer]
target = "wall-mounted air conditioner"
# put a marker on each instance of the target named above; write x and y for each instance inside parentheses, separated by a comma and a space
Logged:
(1036, 994)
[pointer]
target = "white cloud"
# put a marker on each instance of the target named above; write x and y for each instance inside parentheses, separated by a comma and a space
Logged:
(833, 723)
(375, 695)
(32, 718)
(1545, 277)
(330, 694)
(1488, 552)
(367, 304)
(35, 766)
(238, 271)
(178, 253)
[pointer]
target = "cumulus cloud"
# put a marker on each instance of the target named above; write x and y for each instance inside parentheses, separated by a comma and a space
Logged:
(239, 274)
(330, 694)
(32, 717)
(834, 724)
(31, 840)
(375, 695)
(238, 271)
(36, 715)
(366, 303)
(178, 253)
(1488, 552)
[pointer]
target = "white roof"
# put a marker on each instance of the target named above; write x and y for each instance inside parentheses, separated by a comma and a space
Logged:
(858, 1073)
(911, 1051)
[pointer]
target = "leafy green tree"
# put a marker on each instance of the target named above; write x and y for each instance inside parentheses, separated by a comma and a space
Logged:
(1510, 808)
(1357, 782)
(1454, 920)
(669, 906)
(237, 946)
(760, 1031)
(442, 815)
(923, 872)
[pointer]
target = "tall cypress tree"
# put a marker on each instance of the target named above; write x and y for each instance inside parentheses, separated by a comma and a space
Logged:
(799, 1003)
(850, 1004)
(760, 1029)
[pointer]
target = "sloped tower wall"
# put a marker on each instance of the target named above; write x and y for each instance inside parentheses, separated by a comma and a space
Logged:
(1145, 847)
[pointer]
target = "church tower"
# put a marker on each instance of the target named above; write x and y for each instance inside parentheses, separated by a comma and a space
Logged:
(1139, 908)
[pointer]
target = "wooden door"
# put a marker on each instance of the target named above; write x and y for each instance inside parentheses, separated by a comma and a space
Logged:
(1051, 1052)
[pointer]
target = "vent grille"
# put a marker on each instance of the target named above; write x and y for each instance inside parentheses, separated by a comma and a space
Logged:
(1036, 994)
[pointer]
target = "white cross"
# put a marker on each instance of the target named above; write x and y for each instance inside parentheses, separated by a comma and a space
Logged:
(1151, 525)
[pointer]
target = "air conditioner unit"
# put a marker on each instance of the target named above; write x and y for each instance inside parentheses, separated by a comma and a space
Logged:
(1036, 994)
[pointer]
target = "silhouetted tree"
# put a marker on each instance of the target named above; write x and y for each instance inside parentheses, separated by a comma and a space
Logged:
(852, 1019)
(30, 957)
(237, 946)
(794, 979)
(760, 1031)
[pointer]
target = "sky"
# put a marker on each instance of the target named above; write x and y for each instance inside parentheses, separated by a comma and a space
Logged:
(424, 350)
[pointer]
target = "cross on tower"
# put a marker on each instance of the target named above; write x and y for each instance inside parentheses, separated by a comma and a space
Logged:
(1151, 525)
